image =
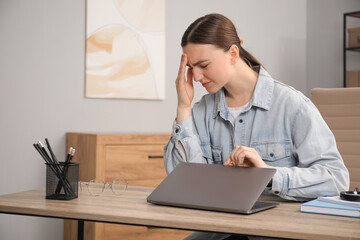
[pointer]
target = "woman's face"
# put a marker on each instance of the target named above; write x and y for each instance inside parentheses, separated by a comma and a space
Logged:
(209, 64)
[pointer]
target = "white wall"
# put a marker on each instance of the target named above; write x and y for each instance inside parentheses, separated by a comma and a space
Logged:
(324, 63)
(42, 78)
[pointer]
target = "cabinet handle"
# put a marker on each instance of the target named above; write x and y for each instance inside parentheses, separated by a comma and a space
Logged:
(150, 157)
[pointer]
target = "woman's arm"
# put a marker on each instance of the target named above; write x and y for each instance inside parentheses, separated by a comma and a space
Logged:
(320, 170)
(184, 144)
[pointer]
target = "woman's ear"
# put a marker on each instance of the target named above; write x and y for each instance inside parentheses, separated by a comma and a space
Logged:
(234, 53)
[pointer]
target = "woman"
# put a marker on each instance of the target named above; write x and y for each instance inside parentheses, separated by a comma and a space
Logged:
(248, 118)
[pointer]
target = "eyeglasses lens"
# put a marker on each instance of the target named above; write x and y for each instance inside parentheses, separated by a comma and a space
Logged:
(118, 186)
(96, 187)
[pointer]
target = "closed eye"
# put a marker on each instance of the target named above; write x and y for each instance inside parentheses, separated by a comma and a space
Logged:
(201, 66)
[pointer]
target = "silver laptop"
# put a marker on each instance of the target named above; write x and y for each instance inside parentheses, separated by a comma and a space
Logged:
(214, 187)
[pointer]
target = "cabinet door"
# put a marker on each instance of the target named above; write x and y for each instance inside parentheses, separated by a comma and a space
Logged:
(140, 165)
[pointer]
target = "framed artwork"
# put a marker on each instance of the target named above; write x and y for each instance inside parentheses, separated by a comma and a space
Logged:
(125, 49)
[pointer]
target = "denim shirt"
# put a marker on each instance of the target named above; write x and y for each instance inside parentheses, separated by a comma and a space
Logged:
(281, 124)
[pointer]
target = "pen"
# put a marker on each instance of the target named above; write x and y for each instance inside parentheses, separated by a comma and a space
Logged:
(38, 148)
(69, 156)
(51, 152)
(72, 154)
(43, 150)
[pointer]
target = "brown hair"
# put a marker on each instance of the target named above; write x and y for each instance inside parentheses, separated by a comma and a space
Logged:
(217, 30)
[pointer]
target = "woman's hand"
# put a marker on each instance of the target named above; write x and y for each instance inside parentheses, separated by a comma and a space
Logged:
(185, 91)
(245, 157)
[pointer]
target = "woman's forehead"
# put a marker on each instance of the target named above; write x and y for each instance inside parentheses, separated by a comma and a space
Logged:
(200, 52)
(195, 47)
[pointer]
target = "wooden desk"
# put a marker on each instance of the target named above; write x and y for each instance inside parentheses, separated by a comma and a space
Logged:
(284, 221)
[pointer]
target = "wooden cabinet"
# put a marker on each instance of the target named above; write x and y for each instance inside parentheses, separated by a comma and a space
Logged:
(138, 158)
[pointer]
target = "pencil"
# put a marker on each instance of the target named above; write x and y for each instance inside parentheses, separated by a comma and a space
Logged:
(65, 168)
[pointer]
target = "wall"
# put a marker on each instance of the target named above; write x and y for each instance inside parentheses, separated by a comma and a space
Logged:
(42, 79)
(325, 42)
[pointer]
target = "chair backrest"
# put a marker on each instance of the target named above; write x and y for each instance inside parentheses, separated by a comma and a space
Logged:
(340, 107)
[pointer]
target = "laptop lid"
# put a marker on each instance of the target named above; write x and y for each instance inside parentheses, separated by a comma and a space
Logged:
(214, 187)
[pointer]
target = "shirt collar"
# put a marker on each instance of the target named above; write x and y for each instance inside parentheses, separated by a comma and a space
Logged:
(261, 98)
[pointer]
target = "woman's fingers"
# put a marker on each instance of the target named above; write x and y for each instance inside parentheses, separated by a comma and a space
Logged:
(185, 91)
(190, 78)
(228, 162)
(237, 155)
(182, 67)
(232, 160)
(245, 156)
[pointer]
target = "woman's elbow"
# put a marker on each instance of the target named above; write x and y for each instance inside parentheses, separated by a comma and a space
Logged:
(342, 180)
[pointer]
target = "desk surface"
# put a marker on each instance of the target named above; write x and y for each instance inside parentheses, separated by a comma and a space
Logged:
(284, 221)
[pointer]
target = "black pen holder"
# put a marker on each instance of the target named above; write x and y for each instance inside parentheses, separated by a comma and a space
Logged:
(62, 181)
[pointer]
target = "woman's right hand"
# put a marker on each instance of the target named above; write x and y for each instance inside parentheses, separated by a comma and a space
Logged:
(185, 91)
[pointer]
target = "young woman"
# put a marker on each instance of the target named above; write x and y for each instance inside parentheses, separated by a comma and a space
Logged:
(248, 118)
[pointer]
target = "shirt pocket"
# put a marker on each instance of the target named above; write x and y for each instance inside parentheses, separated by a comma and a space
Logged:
(211, 154)
(216, 154)
(273, 151)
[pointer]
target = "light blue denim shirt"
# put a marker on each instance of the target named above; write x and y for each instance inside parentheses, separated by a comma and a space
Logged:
(284, 127)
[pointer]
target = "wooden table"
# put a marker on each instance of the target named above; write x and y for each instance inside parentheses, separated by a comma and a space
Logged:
(284, 221)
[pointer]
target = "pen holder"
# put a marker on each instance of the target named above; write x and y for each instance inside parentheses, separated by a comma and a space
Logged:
(62, 181)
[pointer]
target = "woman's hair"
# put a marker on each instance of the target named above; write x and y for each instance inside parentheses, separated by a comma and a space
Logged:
(217, 30)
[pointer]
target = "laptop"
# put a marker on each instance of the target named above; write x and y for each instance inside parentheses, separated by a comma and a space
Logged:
(214, 187)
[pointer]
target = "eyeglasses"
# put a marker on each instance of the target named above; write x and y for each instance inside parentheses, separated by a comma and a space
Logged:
(97, 186)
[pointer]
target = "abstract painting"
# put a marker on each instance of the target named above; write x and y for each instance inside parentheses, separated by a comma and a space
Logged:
(125, 49)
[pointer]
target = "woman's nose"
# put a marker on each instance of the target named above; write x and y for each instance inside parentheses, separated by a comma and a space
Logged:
(197, 75)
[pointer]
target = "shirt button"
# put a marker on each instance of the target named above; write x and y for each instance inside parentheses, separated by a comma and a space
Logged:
(240, 121)
(276, 192)
(272, 154)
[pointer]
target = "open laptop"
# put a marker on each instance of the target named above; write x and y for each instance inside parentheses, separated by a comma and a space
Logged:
(214, 187)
